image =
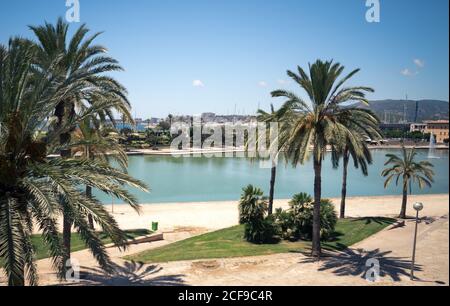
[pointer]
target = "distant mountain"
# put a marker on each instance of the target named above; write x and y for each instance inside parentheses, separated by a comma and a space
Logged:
(393, 111)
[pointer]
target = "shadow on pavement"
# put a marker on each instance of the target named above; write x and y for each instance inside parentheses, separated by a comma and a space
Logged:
(130, 274)
(350, 262)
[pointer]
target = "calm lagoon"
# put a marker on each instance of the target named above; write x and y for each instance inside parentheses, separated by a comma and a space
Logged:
(191, 179)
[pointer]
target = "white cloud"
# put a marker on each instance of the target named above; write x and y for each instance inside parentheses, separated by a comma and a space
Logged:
(198, 83)
(408, 73)
(419, 63)
(283, 82)
(262, 84)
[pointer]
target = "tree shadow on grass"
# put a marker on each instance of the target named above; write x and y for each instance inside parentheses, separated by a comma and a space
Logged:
(377, 220)
(350, 262)
(130, 274)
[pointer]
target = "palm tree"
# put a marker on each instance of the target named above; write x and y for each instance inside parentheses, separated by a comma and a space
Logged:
(82, 66)
(321, 123)
(268, 118)
(252, 205)
(93, 140)
(406, 167)
(360, 154)
(31, 186)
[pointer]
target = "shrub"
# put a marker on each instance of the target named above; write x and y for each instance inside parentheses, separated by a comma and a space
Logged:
(253, 208)
(252, 205)
(285, 223)
(263, 230)
(297, 222)
(328, 219)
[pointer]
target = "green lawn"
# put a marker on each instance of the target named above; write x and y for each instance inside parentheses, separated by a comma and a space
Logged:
(42, 250)
(229, 242)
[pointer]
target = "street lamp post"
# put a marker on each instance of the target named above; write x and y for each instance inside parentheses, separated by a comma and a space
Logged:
(417, 207)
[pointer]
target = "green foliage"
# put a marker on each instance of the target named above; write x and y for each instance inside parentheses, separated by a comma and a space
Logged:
(285, 222)
(407, 168)
(262, 231)
(297, 222)
(253, 209)
(252, 205)
(36, 80)
(417, 135)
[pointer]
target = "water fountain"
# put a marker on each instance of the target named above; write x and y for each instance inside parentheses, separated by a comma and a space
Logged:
(432, 152)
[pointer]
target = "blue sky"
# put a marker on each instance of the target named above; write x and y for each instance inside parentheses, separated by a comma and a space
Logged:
(236, 51)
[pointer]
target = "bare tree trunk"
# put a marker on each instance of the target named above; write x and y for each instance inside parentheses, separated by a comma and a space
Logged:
(272, 188)
(316, 247)
(344, 184)
(404, 202)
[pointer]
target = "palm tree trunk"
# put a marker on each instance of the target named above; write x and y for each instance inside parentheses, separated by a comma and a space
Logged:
(344, 184)
(64, 138)
(272, 188)
(316, 247)
(67, 236)
(89, 190)
(90, 219)
(404, 202)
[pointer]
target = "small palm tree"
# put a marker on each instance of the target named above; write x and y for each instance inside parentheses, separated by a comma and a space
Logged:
(410, 171)
(252, 205)
(321, 123)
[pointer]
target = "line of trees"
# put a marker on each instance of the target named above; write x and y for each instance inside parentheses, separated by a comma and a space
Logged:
(324, 121)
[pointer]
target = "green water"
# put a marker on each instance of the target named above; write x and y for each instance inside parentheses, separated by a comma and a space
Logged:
(191, 179)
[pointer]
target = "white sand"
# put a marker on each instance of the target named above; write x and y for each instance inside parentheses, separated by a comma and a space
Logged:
(217, 215)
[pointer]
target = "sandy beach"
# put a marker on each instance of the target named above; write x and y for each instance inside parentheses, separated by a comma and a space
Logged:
(216, 215)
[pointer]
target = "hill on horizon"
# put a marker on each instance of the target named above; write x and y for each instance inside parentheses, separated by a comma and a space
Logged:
(393, 111)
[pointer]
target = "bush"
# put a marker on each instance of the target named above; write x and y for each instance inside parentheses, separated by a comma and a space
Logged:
(252, 205)
(253, 208)
(261, 231)
(285, 223)
(297, 222)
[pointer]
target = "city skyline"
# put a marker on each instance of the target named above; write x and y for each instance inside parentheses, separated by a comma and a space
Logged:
(203, 56)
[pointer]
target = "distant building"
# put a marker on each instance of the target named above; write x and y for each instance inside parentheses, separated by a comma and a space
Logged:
(208, 117)
(439, 129)
(404, 127)
(418, 127)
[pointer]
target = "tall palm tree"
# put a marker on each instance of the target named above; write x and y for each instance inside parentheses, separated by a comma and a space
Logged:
(407, 168)
(360, 154)
(82, 66)
(275, 116)
(321, 123)
(31, 185)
